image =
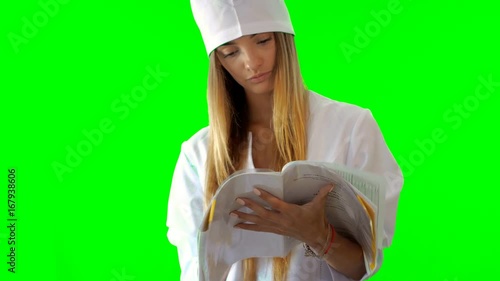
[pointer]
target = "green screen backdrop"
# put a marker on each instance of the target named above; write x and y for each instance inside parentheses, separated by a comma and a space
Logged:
(89, 147)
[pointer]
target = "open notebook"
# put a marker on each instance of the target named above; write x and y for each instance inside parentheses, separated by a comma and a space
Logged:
(355, 208)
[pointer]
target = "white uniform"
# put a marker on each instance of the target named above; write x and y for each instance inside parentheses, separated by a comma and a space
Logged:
(337, 132)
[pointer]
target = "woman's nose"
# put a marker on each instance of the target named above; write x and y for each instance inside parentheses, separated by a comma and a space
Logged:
(253, 61)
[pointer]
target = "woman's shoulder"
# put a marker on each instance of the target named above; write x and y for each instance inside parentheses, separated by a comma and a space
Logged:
(324, 108)
(199, 137)
(195, 147)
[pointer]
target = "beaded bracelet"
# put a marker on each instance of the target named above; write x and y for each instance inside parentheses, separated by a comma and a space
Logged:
(310, 253)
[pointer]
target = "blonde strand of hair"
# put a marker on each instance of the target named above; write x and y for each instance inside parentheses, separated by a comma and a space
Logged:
(289, 124)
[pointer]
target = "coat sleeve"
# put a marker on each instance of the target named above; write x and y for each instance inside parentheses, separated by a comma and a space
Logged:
(369, 152)
(185, 212)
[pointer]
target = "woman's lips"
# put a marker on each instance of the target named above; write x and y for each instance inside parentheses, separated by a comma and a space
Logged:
(260, 78)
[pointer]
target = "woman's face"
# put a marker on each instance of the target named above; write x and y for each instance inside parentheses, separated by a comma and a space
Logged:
(250, 56)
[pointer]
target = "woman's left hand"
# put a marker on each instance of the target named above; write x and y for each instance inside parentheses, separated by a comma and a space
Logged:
(306, 223)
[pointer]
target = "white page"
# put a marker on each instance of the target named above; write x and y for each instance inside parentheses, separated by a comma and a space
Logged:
(343, 208)
(222, 245)
(369, 186)
(303, 181)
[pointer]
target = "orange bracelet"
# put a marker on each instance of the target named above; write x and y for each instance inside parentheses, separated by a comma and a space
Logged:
(331, 241)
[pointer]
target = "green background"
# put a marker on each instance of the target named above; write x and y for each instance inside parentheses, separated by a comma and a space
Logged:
(104, 218)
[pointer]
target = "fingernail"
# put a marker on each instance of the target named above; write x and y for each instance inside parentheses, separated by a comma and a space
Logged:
(233, 215)
(331, 189)
(241, 202)
(256, 191)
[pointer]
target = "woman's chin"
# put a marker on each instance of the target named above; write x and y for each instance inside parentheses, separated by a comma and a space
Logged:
(260, 89)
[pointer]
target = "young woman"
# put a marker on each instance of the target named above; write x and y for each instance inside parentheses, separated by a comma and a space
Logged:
(262, 116)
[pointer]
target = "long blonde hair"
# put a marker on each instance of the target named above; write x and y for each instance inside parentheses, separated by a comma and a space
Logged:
(228, 120)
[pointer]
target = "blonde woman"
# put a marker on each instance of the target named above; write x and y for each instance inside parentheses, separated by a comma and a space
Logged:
(261, 115)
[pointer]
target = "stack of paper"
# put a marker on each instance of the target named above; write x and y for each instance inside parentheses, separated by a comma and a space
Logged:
(354, 208)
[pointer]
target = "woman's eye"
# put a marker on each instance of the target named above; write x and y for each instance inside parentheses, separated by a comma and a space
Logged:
(230, 54)
(264, 41)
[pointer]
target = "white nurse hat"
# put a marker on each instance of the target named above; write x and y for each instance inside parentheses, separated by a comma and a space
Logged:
(221, 21)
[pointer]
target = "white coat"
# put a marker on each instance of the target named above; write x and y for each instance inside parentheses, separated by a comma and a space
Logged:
(337, 132)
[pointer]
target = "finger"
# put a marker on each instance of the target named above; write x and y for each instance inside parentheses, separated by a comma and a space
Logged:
(320, 198)
(273, 201)
(248, 217)
(259, 210)
(257, 227)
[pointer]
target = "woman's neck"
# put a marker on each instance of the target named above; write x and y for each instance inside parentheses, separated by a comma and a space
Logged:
(260, 109)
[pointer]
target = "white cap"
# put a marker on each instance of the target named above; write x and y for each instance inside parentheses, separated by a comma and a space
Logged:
(221, 21)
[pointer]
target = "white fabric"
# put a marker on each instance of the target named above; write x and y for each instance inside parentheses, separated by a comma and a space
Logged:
(221, 21)
(338, 132)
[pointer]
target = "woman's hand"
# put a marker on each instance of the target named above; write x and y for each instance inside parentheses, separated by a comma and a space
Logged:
(306, 223)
